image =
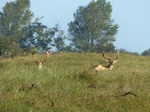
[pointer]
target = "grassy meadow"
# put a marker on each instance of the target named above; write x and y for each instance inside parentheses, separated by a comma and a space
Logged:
(67, 83)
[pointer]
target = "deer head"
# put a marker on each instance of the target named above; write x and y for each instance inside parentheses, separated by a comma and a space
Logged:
(110, 61)
(40, 63)
(47, 54)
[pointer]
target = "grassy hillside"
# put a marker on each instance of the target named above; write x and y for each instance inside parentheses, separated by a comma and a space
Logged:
(67, 83)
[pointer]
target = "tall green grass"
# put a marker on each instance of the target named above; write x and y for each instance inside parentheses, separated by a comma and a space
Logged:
(67, 83)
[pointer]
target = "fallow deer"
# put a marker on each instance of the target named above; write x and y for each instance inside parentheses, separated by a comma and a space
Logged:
(109, 66)
(40, 63)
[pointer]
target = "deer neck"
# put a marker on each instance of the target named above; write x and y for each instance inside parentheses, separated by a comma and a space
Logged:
(40, 64)
(109, 66)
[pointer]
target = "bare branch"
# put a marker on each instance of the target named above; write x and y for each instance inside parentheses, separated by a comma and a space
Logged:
(128, 94)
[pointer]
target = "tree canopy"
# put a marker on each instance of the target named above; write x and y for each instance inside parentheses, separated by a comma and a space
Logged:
(146, 52)
(19, 33)
(14, 18)
(93, 29)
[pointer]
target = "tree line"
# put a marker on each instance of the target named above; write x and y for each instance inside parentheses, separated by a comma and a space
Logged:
(92, 30)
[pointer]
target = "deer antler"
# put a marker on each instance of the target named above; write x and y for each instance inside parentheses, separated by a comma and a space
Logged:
(117, 56)
(45, 59)
(47, 56)
(103, 54)
(40, 63)
(34, 59)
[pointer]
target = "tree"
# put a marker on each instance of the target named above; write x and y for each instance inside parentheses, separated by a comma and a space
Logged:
(14, 19)
(39, 36)
(146, 52)
(59, 41)
(43, 38)
(93, 29)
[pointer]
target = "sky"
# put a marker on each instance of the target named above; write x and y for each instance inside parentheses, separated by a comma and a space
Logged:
(133, 17)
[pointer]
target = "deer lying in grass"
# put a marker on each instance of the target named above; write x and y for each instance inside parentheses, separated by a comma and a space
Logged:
(40, 63)
(109, 66)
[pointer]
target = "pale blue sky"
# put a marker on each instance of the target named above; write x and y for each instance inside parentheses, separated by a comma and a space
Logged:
(133, 17)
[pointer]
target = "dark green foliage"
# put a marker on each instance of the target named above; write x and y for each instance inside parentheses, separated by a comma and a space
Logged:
(146, 52)
(128, 52)
(18, 34)
(8, 47)
(14, 19)
(39, 36)
(59, 41)
(93, 29)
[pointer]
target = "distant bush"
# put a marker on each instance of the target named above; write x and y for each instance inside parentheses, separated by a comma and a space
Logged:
(129, 52)
(146, 52)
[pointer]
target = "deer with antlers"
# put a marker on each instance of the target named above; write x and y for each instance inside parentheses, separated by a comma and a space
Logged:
(40, 63)
(109, 66)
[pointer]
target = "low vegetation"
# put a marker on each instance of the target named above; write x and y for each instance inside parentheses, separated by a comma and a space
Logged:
(67, 83)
